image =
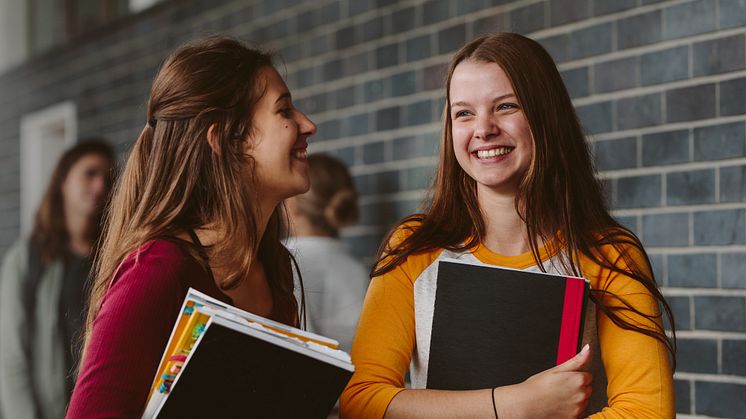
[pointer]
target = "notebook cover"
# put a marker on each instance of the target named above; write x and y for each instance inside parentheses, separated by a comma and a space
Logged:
(231, 374)
(494, 326)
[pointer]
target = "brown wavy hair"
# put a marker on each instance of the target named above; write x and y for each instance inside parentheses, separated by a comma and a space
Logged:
(49, 234)
(559, 198)
(173, 180)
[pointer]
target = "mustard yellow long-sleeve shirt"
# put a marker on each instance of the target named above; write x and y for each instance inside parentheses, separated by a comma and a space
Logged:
(393, 334)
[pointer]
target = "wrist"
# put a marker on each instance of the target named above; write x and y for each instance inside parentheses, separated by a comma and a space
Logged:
(507, 401)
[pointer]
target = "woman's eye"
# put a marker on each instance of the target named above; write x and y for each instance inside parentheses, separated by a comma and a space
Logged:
(286, 112)
(506, 106)
(462, 113)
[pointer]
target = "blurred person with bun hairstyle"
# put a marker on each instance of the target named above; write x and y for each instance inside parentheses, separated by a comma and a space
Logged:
(334, 281)
(43, 286)
(199, 204)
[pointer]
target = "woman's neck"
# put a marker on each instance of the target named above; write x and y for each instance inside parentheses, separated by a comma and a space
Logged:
(506, 232)
(79, 231)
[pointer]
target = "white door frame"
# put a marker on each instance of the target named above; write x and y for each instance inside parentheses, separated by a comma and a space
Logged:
(45, 135)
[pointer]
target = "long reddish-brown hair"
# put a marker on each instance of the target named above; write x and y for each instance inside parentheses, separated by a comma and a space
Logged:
(174, 181)
(559, 198)
(49, 234)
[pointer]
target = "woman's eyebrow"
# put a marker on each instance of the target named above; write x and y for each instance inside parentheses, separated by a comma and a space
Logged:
(497, 99)
(285, 95)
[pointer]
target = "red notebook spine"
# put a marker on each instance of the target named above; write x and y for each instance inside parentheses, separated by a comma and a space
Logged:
(572, 313)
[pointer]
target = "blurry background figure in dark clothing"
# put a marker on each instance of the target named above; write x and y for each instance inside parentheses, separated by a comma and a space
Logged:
(42, 286)
(335, 282)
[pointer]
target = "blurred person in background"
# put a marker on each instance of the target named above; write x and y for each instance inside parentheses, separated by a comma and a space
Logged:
(43, 282)
(335, 282)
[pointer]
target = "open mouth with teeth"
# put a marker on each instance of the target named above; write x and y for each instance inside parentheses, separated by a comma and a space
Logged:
(493, 152)
(300, 153)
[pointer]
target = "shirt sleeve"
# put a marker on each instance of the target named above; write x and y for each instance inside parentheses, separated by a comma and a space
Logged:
(128, 338)
(638, 367)
(16, 386)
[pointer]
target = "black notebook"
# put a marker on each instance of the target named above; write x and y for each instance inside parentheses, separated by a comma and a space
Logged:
(225, 363)
(495, 326)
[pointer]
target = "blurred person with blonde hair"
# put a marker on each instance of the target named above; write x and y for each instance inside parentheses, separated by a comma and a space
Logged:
(43, 282)
(335, 282)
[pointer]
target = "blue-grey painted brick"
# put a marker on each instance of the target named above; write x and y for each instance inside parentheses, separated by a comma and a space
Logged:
(403, 84)
(346, 154)
(732, 93)
(669, 147)
(722, 400)
(370, 214)
(364, 246)
(683, 396)
(638, 191)
(418, 178)
(734, 355)
(681, 312)
(418, 113)
(403, 20)
(596, 117)
(638, 30)
(329, 130)
(369, 30)
(528, 19)
(374, 90)
(558, 47)
(307, 76)
(690, 103)
(698, 270)
(665, 229)
(491, 24)
(345, 37)
(387, 182)
(561, 12)
(732, 13)
(387, 55)
(720, 313)
(435, 11)
(405, 148)
(435, 76)
(616, 154)
(388, 118)
(718, 55)
(639, 111)
(591, 41)
(451, 38)
(356, 125)
(576, 81)
(733, 184)
(630, 222)
(345, 97)
(616, 75)
(358, 6)
(720, 141)
(332, 70)
(330, 13)
(419, 48)
(468, 6)
(690, 187)
(656, 262)
(689, 18)
(664, 66)
(602, 7)
(373, 153)
(358, 63)
(733, 270)
(720, 227)
(364, 184)
(697, 355)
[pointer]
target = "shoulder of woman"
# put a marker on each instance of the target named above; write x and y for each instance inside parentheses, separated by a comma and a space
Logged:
(162, 257)
(405, 229)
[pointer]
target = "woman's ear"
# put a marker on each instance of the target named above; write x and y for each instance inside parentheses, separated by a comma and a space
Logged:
(213, 140)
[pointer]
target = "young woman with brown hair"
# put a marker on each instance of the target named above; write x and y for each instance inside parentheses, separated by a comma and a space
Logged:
(515, 187)
(198, 205)
(43, 284)
(334, 281)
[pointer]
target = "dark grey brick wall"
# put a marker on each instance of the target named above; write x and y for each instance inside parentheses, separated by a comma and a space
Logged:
(658, 85)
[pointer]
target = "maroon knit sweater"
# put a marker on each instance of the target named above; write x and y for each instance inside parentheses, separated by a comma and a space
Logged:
(132, 329)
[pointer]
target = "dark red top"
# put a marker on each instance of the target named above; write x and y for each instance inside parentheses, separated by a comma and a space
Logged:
(132, 329)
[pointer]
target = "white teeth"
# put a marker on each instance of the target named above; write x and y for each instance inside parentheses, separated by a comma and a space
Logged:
(493, 152)
(300, 154)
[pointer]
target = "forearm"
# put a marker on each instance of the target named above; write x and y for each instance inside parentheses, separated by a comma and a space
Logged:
(411, 404)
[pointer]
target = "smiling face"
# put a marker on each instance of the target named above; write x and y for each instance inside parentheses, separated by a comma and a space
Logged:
(279, 141)
(491, 137)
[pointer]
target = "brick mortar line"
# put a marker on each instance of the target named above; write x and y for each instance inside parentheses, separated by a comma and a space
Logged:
(710, 334)
(658, 88)
(650, 48)
(395, 165)
(714, 207)
(700, 123)
(712, 378)
(372, 137)
(673, 168)
(694, 249)
(371, 107)
(703, 292)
